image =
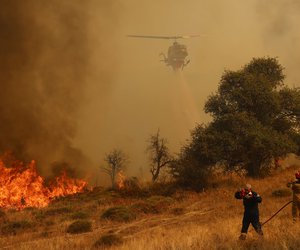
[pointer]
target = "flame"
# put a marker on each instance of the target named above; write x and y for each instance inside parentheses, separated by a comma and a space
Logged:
(64, 185)
(21, 186)
(121, 180)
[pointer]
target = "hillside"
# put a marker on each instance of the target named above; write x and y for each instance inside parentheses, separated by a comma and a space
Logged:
(185, 220)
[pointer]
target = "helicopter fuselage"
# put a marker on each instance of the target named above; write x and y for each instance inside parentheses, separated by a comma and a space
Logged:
(177, 54)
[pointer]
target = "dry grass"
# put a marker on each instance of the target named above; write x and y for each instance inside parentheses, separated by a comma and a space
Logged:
(207, 220)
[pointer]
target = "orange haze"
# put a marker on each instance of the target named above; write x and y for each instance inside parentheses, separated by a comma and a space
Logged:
(75, 87)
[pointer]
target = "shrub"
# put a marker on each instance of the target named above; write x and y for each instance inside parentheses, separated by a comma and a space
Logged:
(191, 173)
(132, 187)
(13, 227)
(79, 226)
(283, 192)
(160, 202)
(144, 207)
(108, 240)
(120, 213)
(153, 205)
(163, 189)
(49, 223)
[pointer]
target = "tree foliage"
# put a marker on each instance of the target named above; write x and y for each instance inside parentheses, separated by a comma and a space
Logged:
(255, 120)
(193, 165)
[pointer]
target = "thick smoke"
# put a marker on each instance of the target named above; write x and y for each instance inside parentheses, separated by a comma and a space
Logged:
(67, 62)
(280, 33)
(45, 61)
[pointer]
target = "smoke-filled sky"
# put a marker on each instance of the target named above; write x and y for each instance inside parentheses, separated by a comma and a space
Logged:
(73, 84)
(46, 65)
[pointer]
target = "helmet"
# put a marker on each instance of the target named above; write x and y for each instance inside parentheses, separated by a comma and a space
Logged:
(297, 175)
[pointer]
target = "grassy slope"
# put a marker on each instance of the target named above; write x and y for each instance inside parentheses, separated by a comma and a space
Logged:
(207, 220)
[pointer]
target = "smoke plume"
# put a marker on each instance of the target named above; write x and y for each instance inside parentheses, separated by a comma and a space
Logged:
(45, 65)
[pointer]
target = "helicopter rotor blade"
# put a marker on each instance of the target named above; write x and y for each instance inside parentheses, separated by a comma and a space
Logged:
(191, 36)
(153, 37)
(165, 37)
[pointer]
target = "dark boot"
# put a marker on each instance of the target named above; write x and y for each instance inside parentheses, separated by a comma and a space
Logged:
(242, 236)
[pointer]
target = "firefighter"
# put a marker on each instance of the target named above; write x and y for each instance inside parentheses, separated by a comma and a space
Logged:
(251, 213)
(295, 186)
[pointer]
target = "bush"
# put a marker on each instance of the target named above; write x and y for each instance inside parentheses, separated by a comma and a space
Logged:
(49, 223)
(144, 207)
(79, 226)
(108, 240)
(153, 205)
(120, 213)
(284, 192)
(160, 201)
(188, 173)
(164, 189)
(132, 187)
(13, 227)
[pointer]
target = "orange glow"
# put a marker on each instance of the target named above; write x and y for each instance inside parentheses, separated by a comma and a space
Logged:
(121, 180)
(21, 186)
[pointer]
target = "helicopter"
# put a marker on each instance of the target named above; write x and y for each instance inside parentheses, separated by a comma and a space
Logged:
(177, 53)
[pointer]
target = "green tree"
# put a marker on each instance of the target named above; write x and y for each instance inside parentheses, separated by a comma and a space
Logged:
(195, 161)
(255, 120)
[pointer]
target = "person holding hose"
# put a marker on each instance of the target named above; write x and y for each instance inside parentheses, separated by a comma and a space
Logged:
(295, 186)
(251, 212)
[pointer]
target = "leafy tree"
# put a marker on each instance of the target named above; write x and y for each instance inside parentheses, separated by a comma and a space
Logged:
(159, 155)
(255, 120)
(115, 162)
(195, 161)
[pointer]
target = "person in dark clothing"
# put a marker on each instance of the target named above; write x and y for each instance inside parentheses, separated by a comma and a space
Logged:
(251, 212)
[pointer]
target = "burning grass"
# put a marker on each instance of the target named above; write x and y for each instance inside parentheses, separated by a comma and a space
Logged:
(21, 186)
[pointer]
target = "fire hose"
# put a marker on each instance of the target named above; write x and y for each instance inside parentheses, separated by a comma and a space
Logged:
(276, 213)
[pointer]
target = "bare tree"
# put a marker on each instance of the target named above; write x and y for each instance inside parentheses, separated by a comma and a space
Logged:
(115, 162)
(159, 154)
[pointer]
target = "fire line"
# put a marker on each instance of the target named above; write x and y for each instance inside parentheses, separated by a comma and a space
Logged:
(21, 186)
